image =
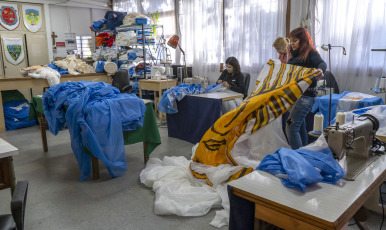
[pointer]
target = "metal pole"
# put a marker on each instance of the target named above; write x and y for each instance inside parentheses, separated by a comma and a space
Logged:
(329, 66)
(144, 49)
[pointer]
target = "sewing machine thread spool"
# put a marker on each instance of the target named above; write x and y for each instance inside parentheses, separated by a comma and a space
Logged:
(318, 123)
(377, 83)
(382, 83)
(341, 117)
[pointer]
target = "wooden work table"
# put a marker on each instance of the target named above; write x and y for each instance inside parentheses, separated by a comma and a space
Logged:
(322, 206)
(16, 83)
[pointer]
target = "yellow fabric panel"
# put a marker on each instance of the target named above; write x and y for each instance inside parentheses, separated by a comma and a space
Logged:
(268, 102)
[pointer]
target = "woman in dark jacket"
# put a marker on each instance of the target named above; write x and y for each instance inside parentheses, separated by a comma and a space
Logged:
(303, 54)
(231, 77)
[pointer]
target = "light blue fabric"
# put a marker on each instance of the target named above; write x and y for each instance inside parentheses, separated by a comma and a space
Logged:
(16, 115)
(168, 102)
(98, 24)
(296, 124)
(366, 102)
(96, 116)
(297, 168)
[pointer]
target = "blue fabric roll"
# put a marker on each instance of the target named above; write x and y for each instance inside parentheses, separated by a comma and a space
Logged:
(96, 116)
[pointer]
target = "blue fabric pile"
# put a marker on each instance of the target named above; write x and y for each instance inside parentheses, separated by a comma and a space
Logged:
(114, 19)
(297, 168)
(168, 103)
(96, 116)
(57, 68)
(16, 115)
(98, 24)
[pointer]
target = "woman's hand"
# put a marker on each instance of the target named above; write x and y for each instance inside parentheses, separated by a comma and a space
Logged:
(219, 81)
(226, 84)
(318, 74)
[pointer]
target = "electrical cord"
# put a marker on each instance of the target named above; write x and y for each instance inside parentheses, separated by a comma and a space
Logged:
(383, 210)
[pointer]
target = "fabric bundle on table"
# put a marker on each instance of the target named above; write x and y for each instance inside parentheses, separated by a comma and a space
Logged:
(73, 65)
(297, 168)
(96, 114)
(168, 100)
(345, 101)
(52, 75)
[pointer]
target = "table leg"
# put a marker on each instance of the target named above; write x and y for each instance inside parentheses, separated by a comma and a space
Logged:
(12, 178)
(145, 158)
(140, 91)
(2, 121)
(95, 168)
(43, 134)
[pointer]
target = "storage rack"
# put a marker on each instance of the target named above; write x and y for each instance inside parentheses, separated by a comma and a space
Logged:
(143, 28)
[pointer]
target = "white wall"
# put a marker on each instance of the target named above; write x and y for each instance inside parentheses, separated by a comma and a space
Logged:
(67, 19)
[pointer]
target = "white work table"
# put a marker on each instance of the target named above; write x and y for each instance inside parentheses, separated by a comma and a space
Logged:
(322, 206)
(7, 172)
(224, 95)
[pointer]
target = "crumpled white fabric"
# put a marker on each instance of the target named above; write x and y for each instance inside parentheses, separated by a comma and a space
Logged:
(176, 190)
(74, 66)
(179, 193)
(52, 76)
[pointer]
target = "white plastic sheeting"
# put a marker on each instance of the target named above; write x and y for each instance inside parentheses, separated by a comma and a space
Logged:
(178, 192)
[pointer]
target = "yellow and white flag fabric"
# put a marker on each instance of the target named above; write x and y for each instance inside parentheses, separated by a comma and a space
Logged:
(278, 87)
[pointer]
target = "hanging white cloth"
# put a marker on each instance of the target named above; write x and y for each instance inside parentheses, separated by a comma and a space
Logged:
(13, 50)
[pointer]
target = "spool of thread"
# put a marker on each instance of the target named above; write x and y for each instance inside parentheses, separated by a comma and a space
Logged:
(377, 83)
(341, 117)
(382, 83)
(318, 123)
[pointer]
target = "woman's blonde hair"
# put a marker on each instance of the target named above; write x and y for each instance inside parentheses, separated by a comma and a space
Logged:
(281, 43)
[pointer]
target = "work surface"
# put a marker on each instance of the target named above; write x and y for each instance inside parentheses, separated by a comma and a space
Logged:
(9, 83)
(322, 204)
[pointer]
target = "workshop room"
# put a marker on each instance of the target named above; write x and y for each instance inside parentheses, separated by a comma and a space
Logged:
(192, 114)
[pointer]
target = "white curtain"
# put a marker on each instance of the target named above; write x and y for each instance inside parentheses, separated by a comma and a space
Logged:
(251, 26)
(127, 6)
(201, 34)
(359, 26)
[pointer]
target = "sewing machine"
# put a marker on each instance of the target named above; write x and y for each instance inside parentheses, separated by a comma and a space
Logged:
(196, 80)
(356, 141)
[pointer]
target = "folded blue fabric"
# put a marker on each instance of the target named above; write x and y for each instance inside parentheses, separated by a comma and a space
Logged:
(96, 116)
(16, 115)
(57, 68)
(297, 168)
(98, 24)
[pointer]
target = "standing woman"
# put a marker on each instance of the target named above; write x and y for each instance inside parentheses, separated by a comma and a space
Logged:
(231, 77)
(303, 54)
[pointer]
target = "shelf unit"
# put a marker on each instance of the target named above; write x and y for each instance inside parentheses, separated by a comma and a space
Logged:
(143, 28)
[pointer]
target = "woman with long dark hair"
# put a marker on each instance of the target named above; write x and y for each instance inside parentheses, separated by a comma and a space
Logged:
(303, 54)
(231, 77)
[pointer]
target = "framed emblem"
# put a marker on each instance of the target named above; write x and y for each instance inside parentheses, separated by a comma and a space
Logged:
(13, 50)
(32, 17)
(9, 16)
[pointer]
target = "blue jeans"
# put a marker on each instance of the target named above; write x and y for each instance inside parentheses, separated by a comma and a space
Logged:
(296, 123)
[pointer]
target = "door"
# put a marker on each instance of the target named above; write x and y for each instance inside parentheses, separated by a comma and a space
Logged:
(37, 49)
(14, 56)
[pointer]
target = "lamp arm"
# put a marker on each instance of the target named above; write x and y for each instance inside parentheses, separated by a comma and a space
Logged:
(185, 69)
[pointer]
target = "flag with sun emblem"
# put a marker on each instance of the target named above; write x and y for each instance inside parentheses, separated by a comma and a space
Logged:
(9, 16)
(32, 16)
(278, 87)
(13, 50)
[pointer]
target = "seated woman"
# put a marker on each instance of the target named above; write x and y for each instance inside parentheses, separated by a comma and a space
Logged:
(281, 44)
(232, 78)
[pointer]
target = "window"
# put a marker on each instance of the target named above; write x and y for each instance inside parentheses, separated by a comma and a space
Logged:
(84, 46)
